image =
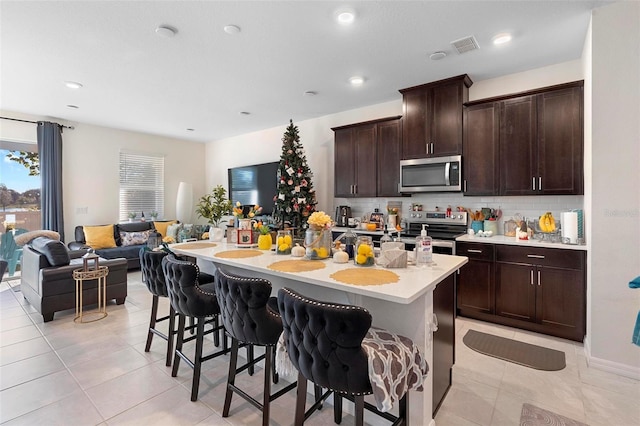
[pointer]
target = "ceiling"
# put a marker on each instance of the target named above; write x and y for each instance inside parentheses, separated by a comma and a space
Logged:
(203, 78)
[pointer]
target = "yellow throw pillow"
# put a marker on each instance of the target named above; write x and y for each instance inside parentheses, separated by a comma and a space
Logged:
(99, 237)
(161, 227)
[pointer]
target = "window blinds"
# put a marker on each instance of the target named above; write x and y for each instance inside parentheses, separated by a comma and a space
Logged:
(141, 184)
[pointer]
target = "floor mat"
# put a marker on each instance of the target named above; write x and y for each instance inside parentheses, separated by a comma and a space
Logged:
(536, 416)
(517, 352)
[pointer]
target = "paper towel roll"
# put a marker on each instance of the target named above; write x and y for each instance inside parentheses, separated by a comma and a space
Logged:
(570, 227)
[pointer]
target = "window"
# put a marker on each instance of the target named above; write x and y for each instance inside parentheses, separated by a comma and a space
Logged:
(19, 186)
(141, 184)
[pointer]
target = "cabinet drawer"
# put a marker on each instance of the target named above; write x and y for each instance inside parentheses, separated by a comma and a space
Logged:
(476, 251)
(558, 258)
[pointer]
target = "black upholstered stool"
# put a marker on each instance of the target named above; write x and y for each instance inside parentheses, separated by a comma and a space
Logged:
(153, 277)
(190, 299)
(250, 317)
(324, 342)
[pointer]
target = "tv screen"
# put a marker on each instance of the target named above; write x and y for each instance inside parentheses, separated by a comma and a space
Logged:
(256, 184)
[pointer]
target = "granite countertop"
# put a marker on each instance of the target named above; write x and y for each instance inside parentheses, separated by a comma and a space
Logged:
(501, 239)
(413, 282)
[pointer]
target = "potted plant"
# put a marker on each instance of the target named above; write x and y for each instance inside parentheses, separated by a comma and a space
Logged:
(132, 216)
(154, 215)
(212, 207)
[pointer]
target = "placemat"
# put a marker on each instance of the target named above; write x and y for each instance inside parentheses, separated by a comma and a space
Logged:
(238, 254)
(196, 245)
(365, 276)
(296, 265)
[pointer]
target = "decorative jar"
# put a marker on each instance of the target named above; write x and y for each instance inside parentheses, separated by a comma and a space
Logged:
(284, 241)
(317, 242)
(264, 242)
(364, 254)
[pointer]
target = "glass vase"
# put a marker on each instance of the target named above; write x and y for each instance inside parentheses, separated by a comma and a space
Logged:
(284, 242)
(364, 254)
(317, 243)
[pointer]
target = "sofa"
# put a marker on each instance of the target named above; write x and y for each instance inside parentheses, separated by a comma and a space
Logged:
(128, 239)
(47, 277)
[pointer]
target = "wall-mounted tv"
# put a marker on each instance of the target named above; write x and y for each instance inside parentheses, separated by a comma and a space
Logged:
(255, 184)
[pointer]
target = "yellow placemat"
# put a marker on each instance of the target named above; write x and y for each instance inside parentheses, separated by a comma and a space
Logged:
(296, 265)
(238, 254)
(195, 245)
(365, 276)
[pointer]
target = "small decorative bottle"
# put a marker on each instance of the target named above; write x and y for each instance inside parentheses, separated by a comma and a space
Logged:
(142, 218)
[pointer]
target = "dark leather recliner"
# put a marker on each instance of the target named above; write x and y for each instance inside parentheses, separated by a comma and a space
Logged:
(250, 316)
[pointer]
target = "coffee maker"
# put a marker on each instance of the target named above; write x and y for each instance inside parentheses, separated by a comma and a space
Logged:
(343, 213)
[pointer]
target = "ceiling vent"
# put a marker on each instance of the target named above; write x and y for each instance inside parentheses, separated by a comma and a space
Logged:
(465, 44)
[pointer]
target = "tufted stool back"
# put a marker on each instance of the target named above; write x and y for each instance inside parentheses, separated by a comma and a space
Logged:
(243, 308)
(323, 341)
(153, 276)
(186, 296)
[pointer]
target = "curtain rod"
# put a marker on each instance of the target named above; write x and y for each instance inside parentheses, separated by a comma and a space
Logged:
(35, 122)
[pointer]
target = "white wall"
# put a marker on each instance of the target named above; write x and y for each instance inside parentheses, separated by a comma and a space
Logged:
(91, 166)
(615, 179)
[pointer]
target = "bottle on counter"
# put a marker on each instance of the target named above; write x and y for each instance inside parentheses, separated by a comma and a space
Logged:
(350, 238)
(386, 238)
(424, 248)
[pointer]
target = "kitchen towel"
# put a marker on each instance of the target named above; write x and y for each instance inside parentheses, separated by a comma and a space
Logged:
(570, 227)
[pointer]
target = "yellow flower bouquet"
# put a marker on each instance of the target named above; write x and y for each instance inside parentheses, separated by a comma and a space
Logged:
(318, 237)
(319, 220)
(238, 211)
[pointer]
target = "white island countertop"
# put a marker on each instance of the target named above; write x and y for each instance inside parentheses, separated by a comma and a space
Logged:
(413, 281)
(501, 239)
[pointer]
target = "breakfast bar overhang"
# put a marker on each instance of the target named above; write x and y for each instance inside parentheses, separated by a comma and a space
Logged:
(404, 307)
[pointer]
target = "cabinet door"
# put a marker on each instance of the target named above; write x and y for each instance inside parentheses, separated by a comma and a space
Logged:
(445, 115)
(365, 160)
(389, 140)
(344, 175)
(560, 142)
(515, 291)
(481, 136)
(518, 146)
(560, 302)
(475, 290)
(443, 339)
(414, 123)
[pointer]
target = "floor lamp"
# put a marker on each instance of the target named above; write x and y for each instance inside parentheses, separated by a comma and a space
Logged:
(184, 202)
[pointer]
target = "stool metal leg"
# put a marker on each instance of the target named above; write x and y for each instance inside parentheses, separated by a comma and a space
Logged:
(233, 363)
(197, 365)
(337, 408)
(152, 322)
(359, 410)
(301, 397)
(172, 332)
(267, 387)
(178, 351)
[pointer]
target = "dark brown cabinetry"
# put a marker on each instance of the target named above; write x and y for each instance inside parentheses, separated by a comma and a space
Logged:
(538, 137)
(432, 123)
(443, 339)
(367, 158)
(537, 289)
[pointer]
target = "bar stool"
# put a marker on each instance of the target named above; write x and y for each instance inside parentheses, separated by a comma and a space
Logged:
(250, 317)
(153, 277)
(332, 346)
(190, 299)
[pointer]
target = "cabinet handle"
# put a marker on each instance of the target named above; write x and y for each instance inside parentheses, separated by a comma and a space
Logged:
(533, 183)
(474, 251)
(465, 185)
(427, 146)
(532, 277)
(431, 147)
(538, 276)
(539, 183)
(355, 188)
(536, 256)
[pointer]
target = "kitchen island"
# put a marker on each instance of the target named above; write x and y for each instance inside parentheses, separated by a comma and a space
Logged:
(404, 306)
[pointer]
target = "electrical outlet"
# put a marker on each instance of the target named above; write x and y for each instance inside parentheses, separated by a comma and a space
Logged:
(82, 210)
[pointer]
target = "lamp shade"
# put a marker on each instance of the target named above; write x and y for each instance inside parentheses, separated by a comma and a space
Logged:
(184, 202)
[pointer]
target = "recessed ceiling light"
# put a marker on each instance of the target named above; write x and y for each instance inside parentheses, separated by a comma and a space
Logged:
(346, 17)
(310, 93)
(244, 113)
(232, 29)
(501, 38)
(436, 56)
(356, 80)
(72, 84)
(73, 106)
(190, 130)
(166, 31)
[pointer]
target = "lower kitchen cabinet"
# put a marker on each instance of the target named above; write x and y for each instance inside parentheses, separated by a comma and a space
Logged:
(533, 288)
(444, 339)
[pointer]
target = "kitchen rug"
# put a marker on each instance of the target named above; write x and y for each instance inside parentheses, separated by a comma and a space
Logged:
(296, 265)
(365, 276)
(510, 350)
(536, 416)
(238, 254)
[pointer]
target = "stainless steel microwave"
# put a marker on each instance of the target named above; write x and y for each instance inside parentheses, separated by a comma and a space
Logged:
(435, 174)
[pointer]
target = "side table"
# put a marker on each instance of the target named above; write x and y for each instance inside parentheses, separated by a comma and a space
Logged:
(100, 274)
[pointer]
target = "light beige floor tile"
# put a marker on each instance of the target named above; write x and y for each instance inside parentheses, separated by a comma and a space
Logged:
(18, 335)
(7, 313)
(472, 401)
(29, 369)
(23, 350)
(563, 345)
(35, 394)
(472, 365)
(214, 420)
(605, 380)
(444, 417)
(172, 407)
(603, 407)
(92, 348)
(76, 410)
(107, 367)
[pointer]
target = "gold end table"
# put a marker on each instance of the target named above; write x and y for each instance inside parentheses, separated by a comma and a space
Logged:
(81, 275)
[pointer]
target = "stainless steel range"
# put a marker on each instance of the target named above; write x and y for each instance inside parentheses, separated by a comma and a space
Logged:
(442, 227)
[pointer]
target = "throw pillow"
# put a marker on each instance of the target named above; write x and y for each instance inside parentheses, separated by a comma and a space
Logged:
(23, 239)
(99, 237)
(54, 250)
(134, 238)
(172, 231)
(161, 227)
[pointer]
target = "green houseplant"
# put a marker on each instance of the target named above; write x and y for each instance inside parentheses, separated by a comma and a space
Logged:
(212, 207)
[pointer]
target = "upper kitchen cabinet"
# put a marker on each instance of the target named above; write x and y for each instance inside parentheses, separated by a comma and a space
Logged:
(541, 142)
(432, 118)
(480, 147)
(367, 158)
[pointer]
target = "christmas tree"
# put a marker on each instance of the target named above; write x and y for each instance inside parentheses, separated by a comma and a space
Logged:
(295, 199)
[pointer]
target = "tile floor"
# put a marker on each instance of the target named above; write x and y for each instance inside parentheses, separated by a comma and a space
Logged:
(62, 373)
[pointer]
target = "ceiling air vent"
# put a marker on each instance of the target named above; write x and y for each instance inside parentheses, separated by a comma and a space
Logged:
(465, 44)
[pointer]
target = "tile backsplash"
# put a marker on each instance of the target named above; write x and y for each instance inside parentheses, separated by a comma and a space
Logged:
(527, 206)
